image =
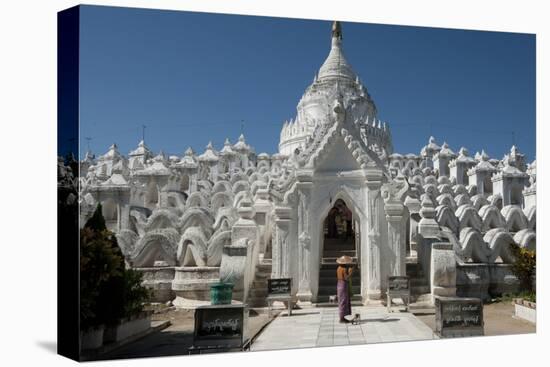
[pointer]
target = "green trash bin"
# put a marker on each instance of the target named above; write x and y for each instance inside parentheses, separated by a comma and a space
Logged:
(221, 293)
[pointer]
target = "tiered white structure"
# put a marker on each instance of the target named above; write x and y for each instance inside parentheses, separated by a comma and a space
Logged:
(444, 218)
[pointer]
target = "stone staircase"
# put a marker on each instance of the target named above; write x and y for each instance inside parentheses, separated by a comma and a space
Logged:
(328, 281)
(333, 249)
(258, 290)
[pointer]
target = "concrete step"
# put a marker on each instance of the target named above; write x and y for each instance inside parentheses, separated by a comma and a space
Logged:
(332, 270)
(330, 263)
(323, 301)
(332, 260)
(339, 244)
(339, 248)
(338, 240)
(333, 284)
(331, 275)
(331, 290)
(338, 253)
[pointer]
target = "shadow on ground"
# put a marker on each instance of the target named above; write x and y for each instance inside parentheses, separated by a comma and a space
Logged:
(48, 345)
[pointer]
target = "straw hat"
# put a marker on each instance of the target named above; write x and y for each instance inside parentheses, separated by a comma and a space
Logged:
(344, 260)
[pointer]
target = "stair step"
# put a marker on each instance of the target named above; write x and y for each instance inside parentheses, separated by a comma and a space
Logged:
(330, 274)
(332, 270)
(323, 301)
(332, 281)
(337, 254)
(339, 248)
(332, 290)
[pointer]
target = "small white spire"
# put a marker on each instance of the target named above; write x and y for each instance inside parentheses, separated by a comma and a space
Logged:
(336, 30)
(484, 156)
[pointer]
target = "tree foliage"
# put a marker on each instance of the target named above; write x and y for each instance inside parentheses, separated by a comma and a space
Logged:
(524, 267)
(108, 291)
(97, 222)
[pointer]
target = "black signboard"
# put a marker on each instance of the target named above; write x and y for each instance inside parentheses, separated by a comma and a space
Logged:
(456, 316)
(398, 284)
(219, 326)
(279, 286)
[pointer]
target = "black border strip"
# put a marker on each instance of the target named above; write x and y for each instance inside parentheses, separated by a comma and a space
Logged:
(68, 254)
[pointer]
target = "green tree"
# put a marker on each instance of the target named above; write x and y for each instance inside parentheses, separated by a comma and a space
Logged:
(97, 222)
(524, 267)
(108, 291)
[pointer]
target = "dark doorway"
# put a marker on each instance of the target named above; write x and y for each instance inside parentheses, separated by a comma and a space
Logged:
(339, 238)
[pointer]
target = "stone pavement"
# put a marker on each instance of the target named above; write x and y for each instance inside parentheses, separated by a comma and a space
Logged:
(320, 327)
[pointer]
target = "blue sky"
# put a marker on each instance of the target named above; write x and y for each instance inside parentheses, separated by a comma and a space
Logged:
(192, 78)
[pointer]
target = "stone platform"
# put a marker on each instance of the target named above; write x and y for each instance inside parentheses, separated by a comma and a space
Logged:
(320, 327)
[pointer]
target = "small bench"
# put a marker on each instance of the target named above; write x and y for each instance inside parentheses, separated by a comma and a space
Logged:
(287, 299)
(398, 287)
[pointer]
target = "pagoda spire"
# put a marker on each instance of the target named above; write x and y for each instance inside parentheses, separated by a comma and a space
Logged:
(336, 30)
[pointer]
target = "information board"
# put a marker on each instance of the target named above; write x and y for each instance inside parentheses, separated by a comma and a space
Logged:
(456, 316)
(279, 286)
(220, 326)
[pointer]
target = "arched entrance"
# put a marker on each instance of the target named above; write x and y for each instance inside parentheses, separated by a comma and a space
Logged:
(339, 237)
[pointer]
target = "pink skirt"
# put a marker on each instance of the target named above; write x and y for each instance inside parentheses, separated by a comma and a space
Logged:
(344, 302)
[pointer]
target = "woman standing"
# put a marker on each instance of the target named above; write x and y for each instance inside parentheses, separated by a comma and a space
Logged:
(343, 287)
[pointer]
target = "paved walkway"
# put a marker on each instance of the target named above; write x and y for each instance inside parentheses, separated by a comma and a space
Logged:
(320, 327)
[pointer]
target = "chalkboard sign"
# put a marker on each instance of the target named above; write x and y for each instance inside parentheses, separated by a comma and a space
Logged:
(220, 326)
(455, 316)
(280, 286)
(398, 284)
